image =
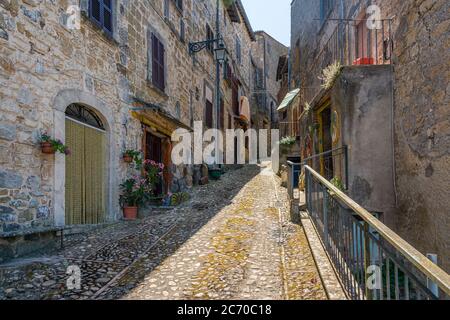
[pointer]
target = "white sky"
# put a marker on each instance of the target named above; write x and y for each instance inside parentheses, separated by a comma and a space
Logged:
(272, 16)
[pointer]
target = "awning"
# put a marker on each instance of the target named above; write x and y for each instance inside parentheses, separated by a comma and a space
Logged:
(288, 99)
(156, 118)
(245, 114)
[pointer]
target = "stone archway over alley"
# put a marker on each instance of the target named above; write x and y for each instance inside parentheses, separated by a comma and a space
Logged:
(232, 240)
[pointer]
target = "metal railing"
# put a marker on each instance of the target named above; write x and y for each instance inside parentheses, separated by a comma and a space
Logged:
(333, 163)
(293, 177)
(372, 261)
(353, 43)
(352, 40)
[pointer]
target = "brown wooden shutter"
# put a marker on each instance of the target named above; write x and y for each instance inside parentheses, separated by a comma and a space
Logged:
(155, 67)
(209, 114)
(235, 97)
(158, 52)
(161, 67)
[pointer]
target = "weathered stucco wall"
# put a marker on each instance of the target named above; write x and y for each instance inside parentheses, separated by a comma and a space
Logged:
(362, 97)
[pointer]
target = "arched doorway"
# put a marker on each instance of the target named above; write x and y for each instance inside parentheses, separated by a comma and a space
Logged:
(85, 186)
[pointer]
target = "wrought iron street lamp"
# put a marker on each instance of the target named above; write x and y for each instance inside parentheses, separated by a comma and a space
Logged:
(220, 55)
(220, 52)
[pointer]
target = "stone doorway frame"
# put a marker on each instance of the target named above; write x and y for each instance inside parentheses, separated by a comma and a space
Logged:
(62, 100)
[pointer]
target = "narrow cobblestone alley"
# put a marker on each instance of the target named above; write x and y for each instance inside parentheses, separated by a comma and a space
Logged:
(232, 240)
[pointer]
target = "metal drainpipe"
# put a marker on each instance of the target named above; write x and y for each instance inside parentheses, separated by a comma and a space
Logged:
(217, 108)
(289, 70)
(341, 29)
(265, 81)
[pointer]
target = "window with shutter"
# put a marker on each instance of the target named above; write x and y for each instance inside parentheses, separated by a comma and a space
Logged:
(107, 15)
(209, 114)
(95, 9)
(158, 52)
(238, 51)
(235, 97)
(101, 12)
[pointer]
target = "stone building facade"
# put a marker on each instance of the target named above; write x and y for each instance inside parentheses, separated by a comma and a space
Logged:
(412, 41)
(127, 66)
(266, 52)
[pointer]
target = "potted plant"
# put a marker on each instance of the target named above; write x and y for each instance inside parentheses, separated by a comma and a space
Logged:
(153, 172)
(131, 155)
(51, 146)
(135, 192)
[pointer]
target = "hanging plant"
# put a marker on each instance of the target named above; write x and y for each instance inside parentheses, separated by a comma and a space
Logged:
(288, 141)
(330, 74)
(308, 109)
(50, 145)
(130, 156)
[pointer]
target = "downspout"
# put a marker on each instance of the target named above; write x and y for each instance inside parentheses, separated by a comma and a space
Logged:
(218, 94)
(265, 80)
(289, 70)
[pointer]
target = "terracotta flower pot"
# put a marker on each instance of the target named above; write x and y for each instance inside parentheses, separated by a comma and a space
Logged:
(47, 148)
(130, 213)
(127, 158)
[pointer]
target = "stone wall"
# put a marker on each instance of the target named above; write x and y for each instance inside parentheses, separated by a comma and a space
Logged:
(421, 61)
(266, 52)
(44, 67)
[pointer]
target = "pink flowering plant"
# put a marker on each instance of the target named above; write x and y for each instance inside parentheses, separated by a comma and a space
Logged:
(136, 191)
(56, 144)
(154, 172)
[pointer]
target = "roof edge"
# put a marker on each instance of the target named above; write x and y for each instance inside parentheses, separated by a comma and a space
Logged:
(248, 25)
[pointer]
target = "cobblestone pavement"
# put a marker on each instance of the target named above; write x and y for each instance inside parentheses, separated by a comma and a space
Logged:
(232, 240)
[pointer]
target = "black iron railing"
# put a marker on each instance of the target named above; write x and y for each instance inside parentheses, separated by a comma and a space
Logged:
(353, 42)
(371, 260)
(293, 176)
(332, 164)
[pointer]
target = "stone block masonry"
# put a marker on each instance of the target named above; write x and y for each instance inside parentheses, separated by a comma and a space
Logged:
(45, 67)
